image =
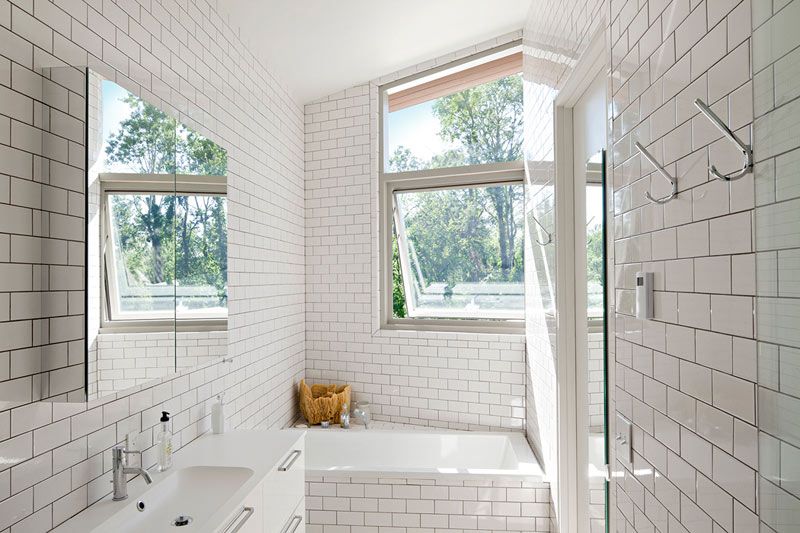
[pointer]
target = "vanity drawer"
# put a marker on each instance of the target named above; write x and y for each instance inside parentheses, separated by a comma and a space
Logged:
(249, 516)
(297, 522)
(283, 491)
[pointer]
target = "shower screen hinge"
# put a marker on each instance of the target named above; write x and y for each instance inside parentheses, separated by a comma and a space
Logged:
(607, 473)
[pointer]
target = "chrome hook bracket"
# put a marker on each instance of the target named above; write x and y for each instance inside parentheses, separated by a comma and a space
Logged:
(549, 235)
(746, 149)
(673, 182)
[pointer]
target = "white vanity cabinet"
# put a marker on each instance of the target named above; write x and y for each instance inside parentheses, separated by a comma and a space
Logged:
(284, 490)
(244, 481)
(277, 504)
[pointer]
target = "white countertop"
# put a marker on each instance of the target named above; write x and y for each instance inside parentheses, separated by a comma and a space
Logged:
(258, 450)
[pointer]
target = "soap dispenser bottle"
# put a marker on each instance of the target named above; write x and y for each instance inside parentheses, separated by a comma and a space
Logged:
(164, 443)
(218, 415)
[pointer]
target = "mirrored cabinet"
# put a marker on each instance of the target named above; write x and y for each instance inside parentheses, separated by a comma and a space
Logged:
(117, 261)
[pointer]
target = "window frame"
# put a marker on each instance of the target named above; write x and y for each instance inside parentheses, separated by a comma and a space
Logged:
(504, 173)
(132, 183)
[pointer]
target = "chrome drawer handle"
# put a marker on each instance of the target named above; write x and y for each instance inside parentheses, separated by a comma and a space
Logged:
(237, 524)
(287, 464)
(292, 525)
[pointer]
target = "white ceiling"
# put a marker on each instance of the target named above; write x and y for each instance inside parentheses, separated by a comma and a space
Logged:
(319, 47)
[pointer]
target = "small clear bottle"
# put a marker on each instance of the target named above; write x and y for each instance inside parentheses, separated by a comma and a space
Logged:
(344, 417)
(218, 415)
(164, 443)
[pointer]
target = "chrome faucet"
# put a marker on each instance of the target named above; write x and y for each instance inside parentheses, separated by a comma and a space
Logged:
(362, 416)
(120, 471)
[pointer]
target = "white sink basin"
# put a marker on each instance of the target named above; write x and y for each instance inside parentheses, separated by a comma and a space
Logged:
(195, 491)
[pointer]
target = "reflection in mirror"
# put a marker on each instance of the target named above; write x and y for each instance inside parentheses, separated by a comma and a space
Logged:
(115, 235)
(130, 179)
(157, 234)
(541, 219)
(42, 239)
(47, 312)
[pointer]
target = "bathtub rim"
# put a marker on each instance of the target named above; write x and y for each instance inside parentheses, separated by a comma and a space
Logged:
(530, 471)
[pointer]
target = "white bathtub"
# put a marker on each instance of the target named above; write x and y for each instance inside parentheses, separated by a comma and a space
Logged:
(398, 453)
(423, 480)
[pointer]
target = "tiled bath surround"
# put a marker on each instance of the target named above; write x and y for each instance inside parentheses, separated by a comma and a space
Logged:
(449, 380)
(342, 504)
(185, 56)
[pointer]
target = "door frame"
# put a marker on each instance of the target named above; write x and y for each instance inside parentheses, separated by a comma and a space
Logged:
(571, 502)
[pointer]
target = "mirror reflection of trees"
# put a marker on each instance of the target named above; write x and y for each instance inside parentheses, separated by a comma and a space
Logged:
(144, 232)
(167, 239)
(201, 258)
(150, 142)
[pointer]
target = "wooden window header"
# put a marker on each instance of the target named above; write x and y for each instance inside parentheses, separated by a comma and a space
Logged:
(457, 81)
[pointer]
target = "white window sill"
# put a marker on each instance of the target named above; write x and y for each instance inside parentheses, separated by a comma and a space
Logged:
(451, 326)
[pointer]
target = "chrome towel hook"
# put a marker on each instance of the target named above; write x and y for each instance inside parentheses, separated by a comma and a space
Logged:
(549, 235)
(747, 150)
(673, 182)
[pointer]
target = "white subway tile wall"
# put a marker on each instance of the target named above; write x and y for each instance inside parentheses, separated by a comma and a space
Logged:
(341, 504)
(687, 378)
(185, 57)
(776, 71)
(448, 380)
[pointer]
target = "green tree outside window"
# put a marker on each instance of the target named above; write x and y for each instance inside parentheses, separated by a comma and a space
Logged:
(484, 123)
